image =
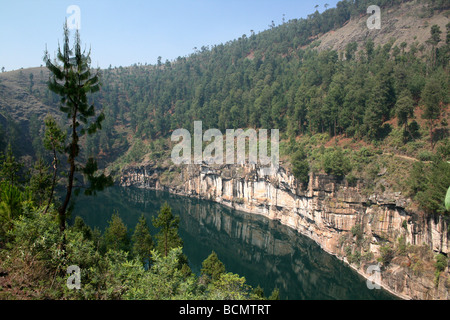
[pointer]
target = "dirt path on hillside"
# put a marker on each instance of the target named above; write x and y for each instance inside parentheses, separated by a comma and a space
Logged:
(404, 157)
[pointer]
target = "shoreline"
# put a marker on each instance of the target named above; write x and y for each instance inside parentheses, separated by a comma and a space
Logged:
(230, 205)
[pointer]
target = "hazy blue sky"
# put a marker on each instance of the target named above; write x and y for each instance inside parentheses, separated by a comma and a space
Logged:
(124, 32)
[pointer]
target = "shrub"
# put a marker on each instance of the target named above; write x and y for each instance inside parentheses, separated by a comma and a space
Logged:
(405, 224)
(401, 245)
(300, 167)
(441, 262)
(351, 179)
(432, 187)
(387, 254)
(425, 155)
(358, 232)
(336, 163)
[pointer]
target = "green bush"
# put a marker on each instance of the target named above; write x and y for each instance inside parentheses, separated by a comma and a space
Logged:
(387, 254)
(300, 167)
(336, 163)
(440, 265)
(357, 232)
(401, 245)
(425, 155)
(431, 185)
(441, 262)
(351, 179)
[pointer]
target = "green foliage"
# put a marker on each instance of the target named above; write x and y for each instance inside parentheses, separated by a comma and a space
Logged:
(401, 245)
(96, 182)
(387, 253)
(229, 286)
(72, 81)
(275, 80)
(275, 295)
(416, 180)
(142, 240)
(54, 137)
(405, 224)
(116, 234)
(425, 155)
(212, 267)
(336, 163)
(40, 183)
(80, 226)
(163, 281)
(434, 94)
(404, 109)
(357, 231)
(441, 262)
(34, 257)
(136, 152)
(431, 187)
(271, 82)
(300, 167)
(11, 201)
(167, 237)
(258, 292)
(447, 200)
(440, 265)
(10, 167)
(38, 234)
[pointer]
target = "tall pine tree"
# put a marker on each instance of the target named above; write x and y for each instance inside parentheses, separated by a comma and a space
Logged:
(71, 79)
(167, 237)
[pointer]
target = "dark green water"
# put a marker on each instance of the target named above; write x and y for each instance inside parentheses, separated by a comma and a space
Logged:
(263, 251)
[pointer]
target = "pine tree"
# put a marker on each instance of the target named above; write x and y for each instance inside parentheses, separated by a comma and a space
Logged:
(212, 267)
(431, 97)
(142, 240)
(437, 180)
(72, 81)
(53, 140)
(40, 182)
(9, 167)
(167, 237)
(275, 294)
(404, 109)
(116, 234)
(435, 38)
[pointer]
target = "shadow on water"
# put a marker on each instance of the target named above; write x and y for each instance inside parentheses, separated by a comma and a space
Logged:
(264, 251)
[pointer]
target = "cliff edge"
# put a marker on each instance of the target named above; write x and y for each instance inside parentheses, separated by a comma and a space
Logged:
(375, 230)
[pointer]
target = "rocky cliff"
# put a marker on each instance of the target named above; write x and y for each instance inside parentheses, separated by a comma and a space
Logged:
(363, 230)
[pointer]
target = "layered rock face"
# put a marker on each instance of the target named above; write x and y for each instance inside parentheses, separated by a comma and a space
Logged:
(327, 210)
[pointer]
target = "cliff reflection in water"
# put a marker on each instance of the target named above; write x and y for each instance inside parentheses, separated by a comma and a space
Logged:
(263, 251)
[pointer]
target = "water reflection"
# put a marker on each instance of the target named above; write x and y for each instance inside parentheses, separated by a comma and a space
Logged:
(264, 251)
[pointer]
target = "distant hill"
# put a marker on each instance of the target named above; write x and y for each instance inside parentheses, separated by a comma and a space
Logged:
(409, 22)
(303, 77)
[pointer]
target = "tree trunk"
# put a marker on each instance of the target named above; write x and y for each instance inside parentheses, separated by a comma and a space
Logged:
(405, 131)
(431, 134)
(55, 170)
(73, 152)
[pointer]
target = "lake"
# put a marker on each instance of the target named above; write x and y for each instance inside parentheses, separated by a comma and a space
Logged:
(264, 251)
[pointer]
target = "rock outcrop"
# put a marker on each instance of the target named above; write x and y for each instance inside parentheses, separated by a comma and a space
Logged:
(354, 227)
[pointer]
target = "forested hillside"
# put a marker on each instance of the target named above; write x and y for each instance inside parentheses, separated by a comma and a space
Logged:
(373, 112)
(275, 80)
(392, 96)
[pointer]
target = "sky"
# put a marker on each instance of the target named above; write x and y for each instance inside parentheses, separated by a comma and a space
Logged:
(125, 32)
